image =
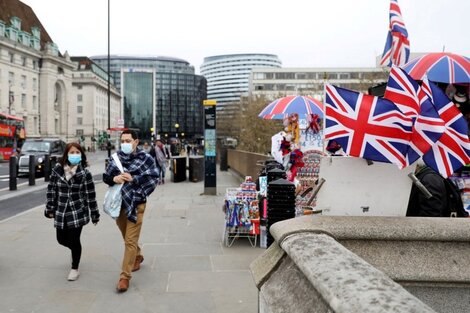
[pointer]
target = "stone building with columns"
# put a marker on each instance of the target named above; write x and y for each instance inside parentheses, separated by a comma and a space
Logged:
(36, 80)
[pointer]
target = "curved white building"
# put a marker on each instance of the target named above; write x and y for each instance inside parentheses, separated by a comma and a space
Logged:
(228, 76)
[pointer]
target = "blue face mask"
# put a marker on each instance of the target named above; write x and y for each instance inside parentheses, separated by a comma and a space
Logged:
(74, 159)
(126, 148)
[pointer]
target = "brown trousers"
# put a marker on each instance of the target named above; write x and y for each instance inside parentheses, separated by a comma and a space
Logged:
(130, 233)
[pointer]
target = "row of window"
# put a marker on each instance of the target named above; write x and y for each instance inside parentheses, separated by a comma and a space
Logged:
(22, 60)
(317, 75)
(306, 87)
(23, 81)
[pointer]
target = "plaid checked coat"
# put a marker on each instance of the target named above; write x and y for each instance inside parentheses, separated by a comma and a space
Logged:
(145, 178)
(72, 201)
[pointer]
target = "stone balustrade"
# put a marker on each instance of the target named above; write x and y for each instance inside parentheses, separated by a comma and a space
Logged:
(366, 264)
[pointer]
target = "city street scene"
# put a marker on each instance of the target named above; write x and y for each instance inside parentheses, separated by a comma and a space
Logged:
(183, 157)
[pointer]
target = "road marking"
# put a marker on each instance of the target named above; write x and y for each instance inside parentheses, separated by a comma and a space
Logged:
(22, 213)
(4, 176)
(7, 188)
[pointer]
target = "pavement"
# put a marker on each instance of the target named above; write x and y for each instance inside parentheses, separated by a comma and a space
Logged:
(187, 269)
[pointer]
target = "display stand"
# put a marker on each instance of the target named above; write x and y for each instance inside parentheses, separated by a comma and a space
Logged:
(241, 214)
(308, 177)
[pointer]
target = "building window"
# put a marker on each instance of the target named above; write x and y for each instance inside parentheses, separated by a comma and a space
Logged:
(79, 121)
(79, 109)
(79, 98)
(23, 100)
(35, 84)
(80, 87)
(35, 103)
(35, 121)
(23, 61)
(23, 81)
(11, 78)
(79, 132)
(12, 57)
(35, 64)
(60, 70)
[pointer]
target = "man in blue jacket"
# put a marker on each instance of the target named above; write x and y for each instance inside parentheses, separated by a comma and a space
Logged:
(139, 180)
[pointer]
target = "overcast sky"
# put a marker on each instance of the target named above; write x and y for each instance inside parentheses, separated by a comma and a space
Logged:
(303, 33)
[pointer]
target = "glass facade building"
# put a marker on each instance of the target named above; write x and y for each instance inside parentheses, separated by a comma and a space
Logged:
(176, 94)
(138, 101)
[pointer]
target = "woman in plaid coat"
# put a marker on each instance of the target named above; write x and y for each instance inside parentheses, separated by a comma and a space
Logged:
(71, 200)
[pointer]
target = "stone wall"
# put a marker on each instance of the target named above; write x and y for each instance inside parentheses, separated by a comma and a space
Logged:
(243, 163)
(366, 264)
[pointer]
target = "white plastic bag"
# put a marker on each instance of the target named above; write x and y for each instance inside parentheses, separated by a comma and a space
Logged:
(113, 199)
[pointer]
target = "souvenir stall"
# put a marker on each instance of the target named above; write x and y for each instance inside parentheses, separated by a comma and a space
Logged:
(241, 213)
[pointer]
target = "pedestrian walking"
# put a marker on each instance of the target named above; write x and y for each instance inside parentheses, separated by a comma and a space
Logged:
(161, 155)
(140, 178)
(71, 200)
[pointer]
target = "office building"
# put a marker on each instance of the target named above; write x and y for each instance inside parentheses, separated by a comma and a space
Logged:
(228, 76)
(159, 93)
(276, 83)
(89, 111)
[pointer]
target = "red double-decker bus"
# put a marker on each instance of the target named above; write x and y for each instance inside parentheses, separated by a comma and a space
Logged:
(12, 135)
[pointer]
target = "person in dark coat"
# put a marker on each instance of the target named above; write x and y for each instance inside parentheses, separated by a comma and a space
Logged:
(139, 180)
(437, 205)
(71, 200)
(161, 155)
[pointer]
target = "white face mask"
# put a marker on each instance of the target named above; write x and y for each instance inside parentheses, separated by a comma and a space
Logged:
(127, 148)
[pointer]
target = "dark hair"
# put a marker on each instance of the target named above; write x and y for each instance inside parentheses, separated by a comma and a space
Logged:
(131, 132)
(65, 159)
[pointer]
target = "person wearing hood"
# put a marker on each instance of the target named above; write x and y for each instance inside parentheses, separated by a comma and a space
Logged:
(139, 180)
(71, 200)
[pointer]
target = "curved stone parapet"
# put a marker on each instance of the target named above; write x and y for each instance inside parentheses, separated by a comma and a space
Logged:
(366, 264)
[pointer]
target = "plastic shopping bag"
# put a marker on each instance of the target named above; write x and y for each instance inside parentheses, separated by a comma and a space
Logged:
(112, 201)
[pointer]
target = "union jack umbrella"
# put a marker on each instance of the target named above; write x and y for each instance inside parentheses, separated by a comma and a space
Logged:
(302, 105)
(365, 126)
(443, 67)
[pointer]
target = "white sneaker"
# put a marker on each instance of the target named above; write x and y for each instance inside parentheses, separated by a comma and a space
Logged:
(73, 275)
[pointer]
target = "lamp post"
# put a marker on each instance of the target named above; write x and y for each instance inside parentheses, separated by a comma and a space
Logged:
(176, 127)
(109, 87)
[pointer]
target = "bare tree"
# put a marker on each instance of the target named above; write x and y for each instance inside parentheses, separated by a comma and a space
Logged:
(255, 132)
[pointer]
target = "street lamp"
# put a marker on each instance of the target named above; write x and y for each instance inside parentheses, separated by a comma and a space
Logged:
(176, 127)
(109, 89)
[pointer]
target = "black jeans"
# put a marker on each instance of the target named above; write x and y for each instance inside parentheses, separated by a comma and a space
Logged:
(70, 238)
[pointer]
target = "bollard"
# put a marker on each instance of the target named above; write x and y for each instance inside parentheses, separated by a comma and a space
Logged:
(53, 162)
(223, 159)
(13, 172)
(47, 167)
(32, 170)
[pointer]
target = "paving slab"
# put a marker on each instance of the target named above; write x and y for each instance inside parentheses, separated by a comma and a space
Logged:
(187, 269)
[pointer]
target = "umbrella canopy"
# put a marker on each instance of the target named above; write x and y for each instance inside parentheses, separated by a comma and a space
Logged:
(443, 67)
(301, 105)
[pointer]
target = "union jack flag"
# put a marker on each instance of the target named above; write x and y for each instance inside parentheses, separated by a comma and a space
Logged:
(366, 126)
(452, 150)
(397, 46)
(413, 101)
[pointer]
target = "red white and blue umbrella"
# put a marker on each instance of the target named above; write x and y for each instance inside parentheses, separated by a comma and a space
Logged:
(443, 67)
(302, 105)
